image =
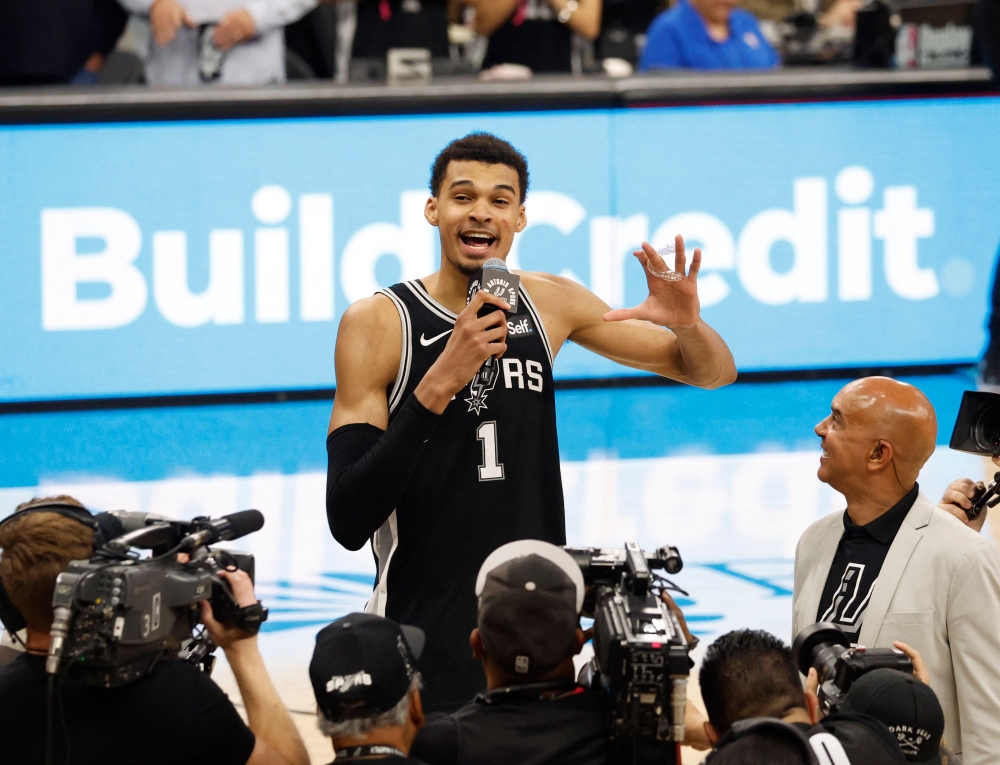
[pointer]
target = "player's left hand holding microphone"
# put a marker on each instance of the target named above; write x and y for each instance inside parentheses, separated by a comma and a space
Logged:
(473, 340)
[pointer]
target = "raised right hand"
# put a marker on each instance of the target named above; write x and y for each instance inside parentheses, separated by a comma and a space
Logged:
(958, 498)
(165, 18)
(473, 340)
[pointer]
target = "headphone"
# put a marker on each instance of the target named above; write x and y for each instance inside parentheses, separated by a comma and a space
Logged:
(12, 619)
(785, 731)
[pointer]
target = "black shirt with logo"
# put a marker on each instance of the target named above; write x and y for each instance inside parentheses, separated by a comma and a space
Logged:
(175, 714)
(856, 567)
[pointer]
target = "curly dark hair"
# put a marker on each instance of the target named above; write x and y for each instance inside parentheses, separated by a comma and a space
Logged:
(748, 673)
(480, 147)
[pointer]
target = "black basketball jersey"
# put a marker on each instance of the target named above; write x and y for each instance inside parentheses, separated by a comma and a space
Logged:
(487, 476)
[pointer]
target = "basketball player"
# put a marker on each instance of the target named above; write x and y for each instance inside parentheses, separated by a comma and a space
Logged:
(438, 476)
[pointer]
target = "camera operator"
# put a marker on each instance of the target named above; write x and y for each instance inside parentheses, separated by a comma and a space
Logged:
(751, 674)
(173, 714)
(892, 567)
(364, 675)
(533, 710)
(906, 705)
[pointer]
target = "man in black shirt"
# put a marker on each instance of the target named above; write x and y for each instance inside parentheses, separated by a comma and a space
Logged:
(751, 674)
(856, 566)
(533, 712)
(364, 674)
(175, 714)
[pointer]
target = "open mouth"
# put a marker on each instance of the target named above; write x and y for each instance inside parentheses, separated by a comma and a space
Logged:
(477, 241)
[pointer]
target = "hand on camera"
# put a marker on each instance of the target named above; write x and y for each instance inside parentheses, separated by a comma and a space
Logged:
(473, 340)
(958, 498)
(222, 635)
(676, 610)
(919, 668)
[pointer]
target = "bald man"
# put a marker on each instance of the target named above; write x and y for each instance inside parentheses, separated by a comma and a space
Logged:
(892, 567)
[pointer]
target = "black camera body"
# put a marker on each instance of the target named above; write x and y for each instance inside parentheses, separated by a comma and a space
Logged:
(116, 615)
(977, 430)
(640, 652)
(825, 647)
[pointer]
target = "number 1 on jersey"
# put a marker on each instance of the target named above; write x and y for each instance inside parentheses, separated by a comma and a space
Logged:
(490, 470)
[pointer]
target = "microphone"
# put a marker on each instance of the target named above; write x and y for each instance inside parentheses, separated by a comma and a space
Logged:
(232, 526)
(495, 278)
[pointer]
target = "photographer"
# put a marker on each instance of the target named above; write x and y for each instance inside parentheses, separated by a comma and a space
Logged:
(173, 714)
(533, 709)
(751, 674)
(364, 675)
(960, 495)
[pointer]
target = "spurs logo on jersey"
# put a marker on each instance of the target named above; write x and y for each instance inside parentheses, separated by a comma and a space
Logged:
(482, 383)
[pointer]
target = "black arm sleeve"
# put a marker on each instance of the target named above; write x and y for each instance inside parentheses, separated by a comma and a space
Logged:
(368, 470)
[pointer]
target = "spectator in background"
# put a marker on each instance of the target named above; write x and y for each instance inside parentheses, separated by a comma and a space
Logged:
(535, 33)
(707, 34)
(385, 24)
(232, 42)
(986, 18)
(56, 41)
(623, 28)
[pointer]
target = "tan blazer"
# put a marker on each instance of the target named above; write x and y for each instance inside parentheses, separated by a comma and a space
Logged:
(938, 591)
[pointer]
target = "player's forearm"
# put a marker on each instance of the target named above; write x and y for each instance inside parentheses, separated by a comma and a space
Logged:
(702, 357)
(368, 472)
(266, 713)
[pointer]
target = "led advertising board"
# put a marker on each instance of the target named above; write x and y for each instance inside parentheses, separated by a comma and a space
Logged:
(191, 257)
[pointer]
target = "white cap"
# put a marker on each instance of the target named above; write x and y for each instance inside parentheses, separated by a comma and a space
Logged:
(523, 547)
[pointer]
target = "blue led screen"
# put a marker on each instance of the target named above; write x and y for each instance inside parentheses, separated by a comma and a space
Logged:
(189, 257)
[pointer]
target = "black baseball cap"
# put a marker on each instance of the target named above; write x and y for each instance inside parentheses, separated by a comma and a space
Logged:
(530, 594)
(363, 665)
(908, 708)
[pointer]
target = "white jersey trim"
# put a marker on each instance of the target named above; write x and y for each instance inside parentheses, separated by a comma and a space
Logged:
(538, 323)
(430, 303)
(384, 545)
(406, 354)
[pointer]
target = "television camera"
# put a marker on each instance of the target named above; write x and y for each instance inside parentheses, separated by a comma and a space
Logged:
(117, 614)
(640, 651)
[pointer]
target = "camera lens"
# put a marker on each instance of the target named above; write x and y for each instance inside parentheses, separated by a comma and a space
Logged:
(986, 429)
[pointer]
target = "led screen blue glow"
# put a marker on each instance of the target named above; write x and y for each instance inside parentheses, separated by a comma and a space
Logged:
(219, 256)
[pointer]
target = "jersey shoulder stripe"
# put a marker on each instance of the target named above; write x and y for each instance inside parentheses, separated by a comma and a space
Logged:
(421, 293)
(406, 353)
(538, 323)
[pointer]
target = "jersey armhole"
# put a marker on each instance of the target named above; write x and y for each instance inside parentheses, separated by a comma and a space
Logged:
(405, 353)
